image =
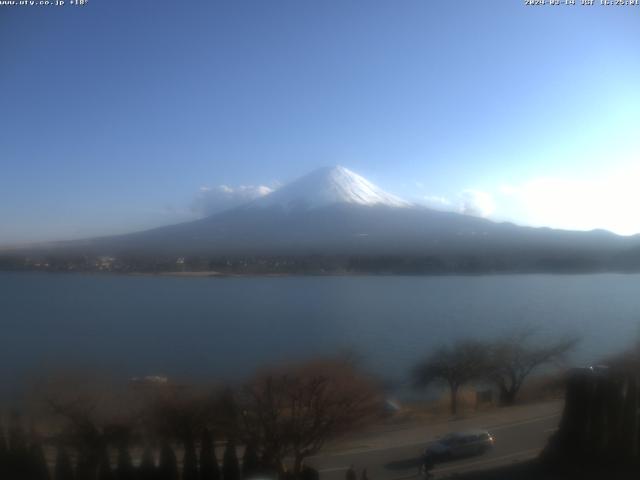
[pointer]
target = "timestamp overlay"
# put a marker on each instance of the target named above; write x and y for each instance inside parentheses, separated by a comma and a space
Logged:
(583, 3)
(43, 3)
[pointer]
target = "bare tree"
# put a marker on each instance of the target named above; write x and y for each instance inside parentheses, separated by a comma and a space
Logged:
(296, 410)
(92, 412)
(85, 429)
(454, 366)
(180, 413)
(513, 357)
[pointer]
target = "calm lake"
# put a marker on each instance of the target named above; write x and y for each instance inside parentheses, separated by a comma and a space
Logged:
(227, 327)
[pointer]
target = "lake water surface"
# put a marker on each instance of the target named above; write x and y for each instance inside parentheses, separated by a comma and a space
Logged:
(227, 327)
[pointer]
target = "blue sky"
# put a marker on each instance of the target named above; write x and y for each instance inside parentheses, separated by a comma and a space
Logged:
(116, 114)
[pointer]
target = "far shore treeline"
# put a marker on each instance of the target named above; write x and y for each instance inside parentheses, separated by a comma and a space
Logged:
(323, 264)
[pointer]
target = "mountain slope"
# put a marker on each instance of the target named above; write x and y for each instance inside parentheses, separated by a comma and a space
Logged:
(335, 212)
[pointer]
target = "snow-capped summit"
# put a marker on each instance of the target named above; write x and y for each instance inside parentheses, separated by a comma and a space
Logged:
(328, 186)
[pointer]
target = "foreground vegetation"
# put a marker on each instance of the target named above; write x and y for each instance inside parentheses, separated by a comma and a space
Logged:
(505, 364)
(153, 429)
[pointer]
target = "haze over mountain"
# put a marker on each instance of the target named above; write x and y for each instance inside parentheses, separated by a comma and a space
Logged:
(336, 212)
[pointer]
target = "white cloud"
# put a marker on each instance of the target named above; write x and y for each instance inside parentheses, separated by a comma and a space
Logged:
(476, 203)
(223, 197)
(608, 202)
(468, 202)
(437, 203)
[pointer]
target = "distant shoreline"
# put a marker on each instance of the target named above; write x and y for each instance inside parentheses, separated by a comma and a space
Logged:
(205, 274)
(223, 275)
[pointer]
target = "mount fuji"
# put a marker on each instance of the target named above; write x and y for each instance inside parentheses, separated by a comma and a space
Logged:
(335, 213)
(328, 211)
(329, 186)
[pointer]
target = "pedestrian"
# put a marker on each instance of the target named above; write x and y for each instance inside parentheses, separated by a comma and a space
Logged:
(364, 475)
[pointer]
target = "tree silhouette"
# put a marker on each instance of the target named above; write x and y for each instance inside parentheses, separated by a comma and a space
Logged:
(147, 469)
(455, 366)
(87, 465)
(180, 415)
(230, 465)
(124, 469)
(38, 469)
(17, 435)
(104, 470)
(250, 461)
(296, 409)
(18, 458)
(190, 461)
(512, 358)
(209, 469)
(168, 467)
(63, 469)
(4, 453)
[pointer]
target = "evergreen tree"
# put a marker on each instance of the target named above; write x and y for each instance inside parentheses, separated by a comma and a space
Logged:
(124, 470)
(17, 436)
(250, 461)
(38, 469)
(209, 469)
(190, 461)
(147, 469)
(230, 464)
(63, 469)
(104, 470)
(268, 464)
(87, 465)
(17, 460)
(4, 454)
(168, 469)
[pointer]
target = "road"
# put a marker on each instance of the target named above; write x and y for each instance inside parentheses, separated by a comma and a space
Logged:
(518, 437)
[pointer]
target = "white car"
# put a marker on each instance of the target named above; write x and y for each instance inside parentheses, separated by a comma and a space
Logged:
(460, 444)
